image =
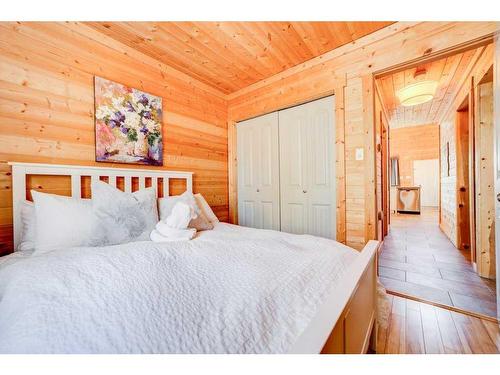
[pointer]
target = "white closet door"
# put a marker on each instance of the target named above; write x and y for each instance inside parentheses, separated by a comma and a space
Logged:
(293, 127)
(307, 170)
(258, 172)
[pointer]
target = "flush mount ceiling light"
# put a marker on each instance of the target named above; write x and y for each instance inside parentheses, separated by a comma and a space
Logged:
(417, 93)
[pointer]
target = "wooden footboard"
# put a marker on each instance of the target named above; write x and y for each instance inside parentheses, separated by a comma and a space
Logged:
(356, 327)
(346, 322)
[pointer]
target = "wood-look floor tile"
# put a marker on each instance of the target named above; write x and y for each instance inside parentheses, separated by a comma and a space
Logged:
(469, 277)
(458, 258)
(431, 271)
(434, 268)
(424, 292)
(393, 257)
(392, 273)
(469, 303)
(468, 289)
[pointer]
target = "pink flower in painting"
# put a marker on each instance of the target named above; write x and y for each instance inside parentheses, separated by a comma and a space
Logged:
(105, 139)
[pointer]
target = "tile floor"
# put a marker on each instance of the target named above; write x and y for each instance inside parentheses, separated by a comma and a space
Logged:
(419, 260)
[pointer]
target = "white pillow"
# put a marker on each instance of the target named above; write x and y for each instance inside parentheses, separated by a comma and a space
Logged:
(205, 208)
(28, 227)
(120, 217)
(166, 204)
(61, 222)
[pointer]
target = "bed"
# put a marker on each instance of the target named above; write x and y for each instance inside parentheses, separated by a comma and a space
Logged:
(229, 290)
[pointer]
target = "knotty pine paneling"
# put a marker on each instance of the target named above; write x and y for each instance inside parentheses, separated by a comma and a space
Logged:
(355, 64)
(449, 182)
(47, 109)
(233, 55)
(413, 143)
(448, 220)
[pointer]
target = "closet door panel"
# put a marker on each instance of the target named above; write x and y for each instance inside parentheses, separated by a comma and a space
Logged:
(269, 171)
(247, 137)
(248, 214)
(258, 172)
(321, 167)
(321, 220)
(294, 218)
(307, 168)
(293, 124)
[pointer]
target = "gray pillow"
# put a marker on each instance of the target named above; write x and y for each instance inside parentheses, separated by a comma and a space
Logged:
(120, 217)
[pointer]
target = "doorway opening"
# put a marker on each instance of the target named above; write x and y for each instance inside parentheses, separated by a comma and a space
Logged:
(435, 197)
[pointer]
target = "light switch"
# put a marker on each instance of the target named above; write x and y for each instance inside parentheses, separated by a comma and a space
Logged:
(360, 154)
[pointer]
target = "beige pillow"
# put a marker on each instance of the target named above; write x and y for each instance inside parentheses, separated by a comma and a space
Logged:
(201, 223)
(205, 208)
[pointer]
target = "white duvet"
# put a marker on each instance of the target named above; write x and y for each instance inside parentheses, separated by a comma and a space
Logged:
(230, 290)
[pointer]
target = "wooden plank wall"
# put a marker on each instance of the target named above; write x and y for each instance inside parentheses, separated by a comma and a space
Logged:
(47, 109)
(355, 64)
(485, 181)
(448, 204)
(449, 183)
(413, 143)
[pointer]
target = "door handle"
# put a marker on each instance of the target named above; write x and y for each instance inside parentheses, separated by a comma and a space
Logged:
(498, 197)
(258, 190)
(304, 191)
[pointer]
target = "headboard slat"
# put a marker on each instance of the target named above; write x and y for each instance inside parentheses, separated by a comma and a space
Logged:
(142, 182)
(21, 170)
(76, 186)
(166, 186)
(154, 183)
(94, 178)
(112, 180)
(128, 184)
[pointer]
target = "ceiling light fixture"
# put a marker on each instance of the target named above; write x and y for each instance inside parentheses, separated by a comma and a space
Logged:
(417, 93)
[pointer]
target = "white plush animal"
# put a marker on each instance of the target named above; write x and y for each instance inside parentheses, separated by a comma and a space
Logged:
(180, 216)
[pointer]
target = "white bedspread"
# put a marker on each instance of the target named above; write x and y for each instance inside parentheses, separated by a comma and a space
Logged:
(230, 290)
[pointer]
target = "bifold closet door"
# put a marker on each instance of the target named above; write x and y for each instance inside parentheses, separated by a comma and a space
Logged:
(307, 168)
(258, 172)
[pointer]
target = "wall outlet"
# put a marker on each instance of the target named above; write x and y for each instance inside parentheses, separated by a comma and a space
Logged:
(360, 154)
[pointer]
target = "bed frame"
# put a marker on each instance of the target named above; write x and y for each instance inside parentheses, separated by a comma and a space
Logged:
(351, 310)
(346, 321)
(21, 170)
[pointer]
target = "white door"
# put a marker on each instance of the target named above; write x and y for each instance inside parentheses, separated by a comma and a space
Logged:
(258, 172)
(426, 175)
(307, 170)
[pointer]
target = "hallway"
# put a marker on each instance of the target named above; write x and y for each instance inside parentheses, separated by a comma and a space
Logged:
(417, 259)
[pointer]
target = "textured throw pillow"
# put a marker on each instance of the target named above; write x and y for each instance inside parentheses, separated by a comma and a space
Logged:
(61, 222)
(167, 204)
(206, 209)
(28, 230)
(121, 217)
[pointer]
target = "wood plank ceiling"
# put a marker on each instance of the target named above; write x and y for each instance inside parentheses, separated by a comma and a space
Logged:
(233, 55)
(450, 72)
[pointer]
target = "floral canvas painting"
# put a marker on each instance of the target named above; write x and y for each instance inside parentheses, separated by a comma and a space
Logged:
(127, 124)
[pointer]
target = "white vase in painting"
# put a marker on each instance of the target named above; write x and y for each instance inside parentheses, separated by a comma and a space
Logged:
(141, 145)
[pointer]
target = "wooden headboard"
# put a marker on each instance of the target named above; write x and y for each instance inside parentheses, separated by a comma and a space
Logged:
(21, 170)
